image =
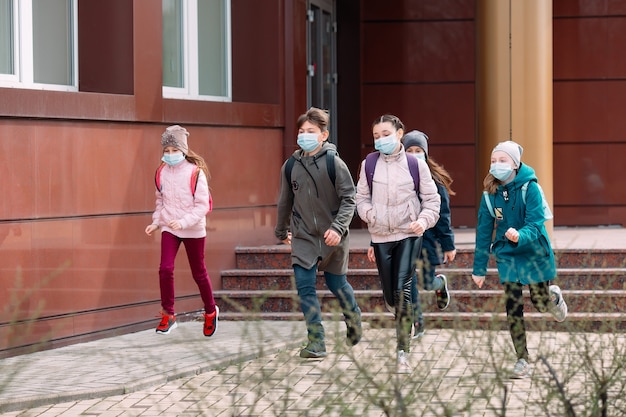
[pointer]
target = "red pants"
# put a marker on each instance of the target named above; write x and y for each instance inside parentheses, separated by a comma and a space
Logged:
(195, 255)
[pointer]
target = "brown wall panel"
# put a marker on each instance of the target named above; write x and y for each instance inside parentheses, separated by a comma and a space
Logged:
(589, 111)
(105, 50)
(591, 174)
(257, 65)
(418, 9)
(589, 48)
(418, 52)
(580, 8)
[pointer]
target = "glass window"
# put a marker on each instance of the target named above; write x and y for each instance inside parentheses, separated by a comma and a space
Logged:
(6, 37)
(196, 49)
(52, 42)
(173, 44)
(38, 44)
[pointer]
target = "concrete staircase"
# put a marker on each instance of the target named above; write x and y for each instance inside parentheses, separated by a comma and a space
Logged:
(593, 284)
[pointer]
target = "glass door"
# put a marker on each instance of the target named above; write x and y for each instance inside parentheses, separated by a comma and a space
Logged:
(322, 65)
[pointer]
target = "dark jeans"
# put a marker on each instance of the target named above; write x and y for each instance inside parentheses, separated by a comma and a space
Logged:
(310, 305)
(396, 266)
(195, 255)
(540, 297)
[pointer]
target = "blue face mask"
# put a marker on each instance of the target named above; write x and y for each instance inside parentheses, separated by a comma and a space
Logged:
(386, 144)
(421, 156)
(501, 170)
(173, 158)
(308, 141)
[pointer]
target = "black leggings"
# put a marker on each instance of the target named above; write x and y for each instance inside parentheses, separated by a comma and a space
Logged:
(396, 265)
(540, 297)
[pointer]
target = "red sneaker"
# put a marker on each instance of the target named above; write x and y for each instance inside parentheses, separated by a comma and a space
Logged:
(210, 322)
(168, 323)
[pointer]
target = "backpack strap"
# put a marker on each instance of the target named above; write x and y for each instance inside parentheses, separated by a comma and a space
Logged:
(489, 205)
(370, 167)
(157, 176)
(330, 166)
(289, 167)
(414, 169)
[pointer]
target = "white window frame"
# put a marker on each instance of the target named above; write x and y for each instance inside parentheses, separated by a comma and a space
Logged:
(191, 87)
(23, 51)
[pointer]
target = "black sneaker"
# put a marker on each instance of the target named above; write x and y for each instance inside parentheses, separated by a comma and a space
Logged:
(418, 330)
(443, 296)
(354, 330)
(314, 350)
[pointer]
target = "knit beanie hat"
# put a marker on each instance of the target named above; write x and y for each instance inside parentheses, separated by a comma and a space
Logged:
(513, 149)
(416, 138)
(175, 136)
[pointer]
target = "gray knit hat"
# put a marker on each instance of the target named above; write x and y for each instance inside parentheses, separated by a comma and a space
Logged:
(175, 136)
(513, 149)
(416, 138)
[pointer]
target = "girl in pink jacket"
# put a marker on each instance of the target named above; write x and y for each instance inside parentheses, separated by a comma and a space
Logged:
(181, 208)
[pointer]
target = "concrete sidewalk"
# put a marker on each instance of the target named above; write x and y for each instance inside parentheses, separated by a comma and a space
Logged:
(253, 369)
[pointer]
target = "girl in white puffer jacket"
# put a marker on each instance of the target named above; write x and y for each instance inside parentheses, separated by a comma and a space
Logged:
(397, 215)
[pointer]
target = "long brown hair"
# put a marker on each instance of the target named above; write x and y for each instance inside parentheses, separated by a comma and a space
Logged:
(440, 174)
(197, 160)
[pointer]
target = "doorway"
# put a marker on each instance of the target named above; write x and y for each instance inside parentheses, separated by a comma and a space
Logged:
(321, 60)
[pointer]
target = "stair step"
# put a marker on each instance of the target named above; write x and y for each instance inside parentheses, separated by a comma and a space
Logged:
(462, 301)
(576, 322)
(279, 257)
(458, 278)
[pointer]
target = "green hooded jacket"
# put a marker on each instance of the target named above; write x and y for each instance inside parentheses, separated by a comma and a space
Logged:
(531, 259)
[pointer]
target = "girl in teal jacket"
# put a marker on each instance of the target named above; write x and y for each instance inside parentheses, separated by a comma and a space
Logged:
(511, 227)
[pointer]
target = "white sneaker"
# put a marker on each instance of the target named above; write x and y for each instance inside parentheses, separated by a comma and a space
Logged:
(403, 363)
(521, 369)
(558, 307)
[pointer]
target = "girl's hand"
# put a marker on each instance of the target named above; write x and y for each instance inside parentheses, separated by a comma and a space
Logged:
(449, 256)
(512, 235)
(287, 240)
(151, 229)
(174, 225)
(479, 280)
(370, 254)
(332, 238)
(417, 228)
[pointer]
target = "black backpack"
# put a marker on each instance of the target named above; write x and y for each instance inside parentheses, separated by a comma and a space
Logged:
(330, 166)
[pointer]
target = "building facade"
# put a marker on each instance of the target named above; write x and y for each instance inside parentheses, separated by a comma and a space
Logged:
(83, 103)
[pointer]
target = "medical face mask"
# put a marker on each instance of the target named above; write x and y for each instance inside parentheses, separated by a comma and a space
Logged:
(308, 141)
(501, 170)
(421, 156)
(386, 144)
(173, 158)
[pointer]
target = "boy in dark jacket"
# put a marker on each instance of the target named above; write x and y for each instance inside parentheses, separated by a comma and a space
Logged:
(314, 214)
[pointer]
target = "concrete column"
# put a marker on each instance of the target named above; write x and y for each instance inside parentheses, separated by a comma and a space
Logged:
(514, 83)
